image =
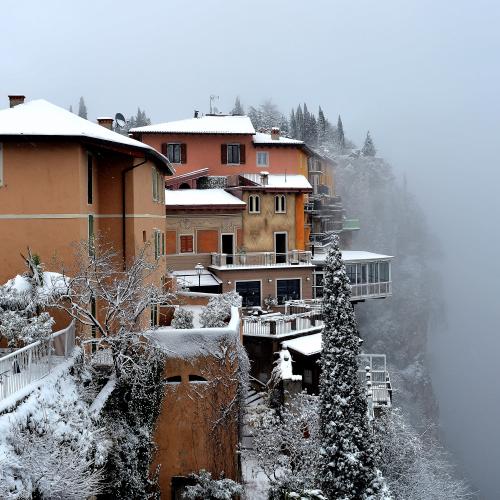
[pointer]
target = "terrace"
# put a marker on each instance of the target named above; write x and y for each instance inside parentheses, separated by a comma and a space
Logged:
(223, 261)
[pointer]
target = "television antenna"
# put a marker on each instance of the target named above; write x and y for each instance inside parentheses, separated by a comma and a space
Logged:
(213, 97)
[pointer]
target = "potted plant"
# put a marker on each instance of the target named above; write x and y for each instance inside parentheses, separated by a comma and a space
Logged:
(242, 253)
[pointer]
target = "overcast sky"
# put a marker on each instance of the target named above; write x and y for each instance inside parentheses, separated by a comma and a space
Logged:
(421, 75)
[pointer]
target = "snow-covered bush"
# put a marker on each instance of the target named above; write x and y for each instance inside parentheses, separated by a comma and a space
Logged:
(218, 310)
(50, 446)
(183, 319)
(207, 488)
(287, 446)
(212, 182)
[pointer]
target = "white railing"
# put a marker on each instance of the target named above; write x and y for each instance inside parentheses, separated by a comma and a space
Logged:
(304, 305)
(373, 374)
(261, 259)
(367, 290)
(34, 361)
(280, 325)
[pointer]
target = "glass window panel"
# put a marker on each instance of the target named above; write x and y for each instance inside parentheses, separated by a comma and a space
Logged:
(351, 273)
(384, 271)
(287, 290)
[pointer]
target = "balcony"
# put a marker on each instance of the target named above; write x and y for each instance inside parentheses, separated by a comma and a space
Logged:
(279, 325)
(372, 373)
(260, 259)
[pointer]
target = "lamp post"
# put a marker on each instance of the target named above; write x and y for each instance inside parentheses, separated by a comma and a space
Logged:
(199, 270)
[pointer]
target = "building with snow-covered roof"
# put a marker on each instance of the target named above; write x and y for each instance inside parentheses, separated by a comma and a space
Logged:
(64, 179)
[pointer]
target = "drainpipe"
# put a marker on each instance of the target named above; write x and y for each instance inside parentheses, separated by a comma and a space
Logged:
(124, 172)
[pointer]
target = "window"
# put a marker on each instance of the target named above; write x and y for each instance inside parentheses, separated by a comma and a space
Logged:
(186, 243)
(318, 285)
(384, 271)
(175, 379)
(197, 378)
(1, 164)
(351, 273)
(308, 376)
(90, 183)
(158, 186)
(280, 204)
(233, 154)
(249, 292)
(91, 235)
(262, 158)
(159, 243)
(287, 290)
(174, 153)
(154, 314)
(373, 272)
(93, 328)
(254, 204)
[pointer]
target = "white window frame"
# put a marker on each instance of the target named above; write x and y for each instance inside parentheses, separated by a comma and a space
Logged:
(180, 246)
(274, 240)
(1, 164)
(259, 164)
(301, 291)
(251, 203)
(180, 152)
(246, 281)
(239, 153)
(280, 200)
(234, 242)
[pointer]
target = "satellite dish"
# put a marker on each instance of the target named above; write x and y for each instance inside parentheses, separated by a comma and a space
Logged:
(120, 120)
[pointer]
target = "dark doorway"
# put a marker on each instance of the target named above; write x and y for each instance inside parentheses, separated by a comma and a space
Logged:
(250, 292)
(280, 247)
(228, 247)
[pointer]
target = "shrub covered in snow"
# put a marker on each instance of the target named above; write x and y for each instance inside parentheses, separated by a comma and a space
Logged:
(218, 310)
(50, 447)
(183, 319)
(207, 488)
(212, 182)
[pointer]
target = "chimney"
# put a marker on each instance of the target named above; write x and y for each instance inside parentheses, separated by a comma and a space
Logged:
(275, 133)
(106, 122)
(196, 113)
(14, 100)
(264, 177)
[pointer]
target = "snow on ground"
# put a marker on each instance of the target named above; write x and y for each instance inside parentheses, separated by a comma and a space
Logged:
(255, 482)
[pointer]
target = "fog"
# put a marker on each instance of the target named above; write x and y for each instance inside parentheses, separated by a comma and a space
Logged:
(422, 76)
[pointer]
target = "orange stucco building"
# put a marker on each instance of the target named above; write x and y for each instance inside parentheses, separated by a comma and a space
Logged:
(64, 179)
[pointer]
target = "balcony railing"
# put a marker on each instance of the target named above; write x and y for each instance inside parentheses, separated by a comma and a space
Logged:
(373, 374)
(281, 325)
(350, 224)
(261, 259)
(371, 290)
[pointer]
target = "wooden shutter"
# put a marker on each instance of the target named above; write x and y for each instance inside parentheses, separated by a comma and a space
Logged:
(187, 244)
(242, 153)
(223, 154)
(171, 242)
(207, 240)
(183, 153)
(164, 148)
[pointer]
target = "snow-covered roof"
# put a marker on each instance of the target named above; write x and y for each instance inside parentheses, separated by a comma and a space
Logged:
(262, 138)
(196, 197)
(307, 345)
(208, 124)
(189, 278)
(352, 256)
(42, 118)
(282, 181)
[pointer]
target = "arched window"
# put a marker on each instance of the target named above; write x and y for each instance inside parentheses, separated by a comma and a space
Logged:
(197, 378)
(280, 204)
(254, 204)
(175, 379)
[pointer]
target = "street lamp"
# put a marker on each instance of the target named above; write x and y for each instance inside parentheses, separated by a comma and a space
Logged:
(199, 270)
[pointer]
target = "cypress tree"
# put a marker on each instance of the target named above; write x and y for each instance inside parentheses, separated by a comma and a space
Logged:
(347, 462)
(293, 125)
(238, 108)
(299, 118)
(82, 109)
(340, 136)
(321, 127)
(368, 147)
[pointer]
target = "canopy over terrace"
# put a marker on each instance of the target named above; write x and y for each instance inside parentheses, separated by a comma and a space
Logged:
(203, 281)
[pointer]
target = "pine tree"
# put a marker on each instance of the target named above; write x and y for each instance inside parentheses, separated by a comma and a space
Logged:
(82, 109)
(347, 462)
(368, 147)
(340, 136)
(293, 125)
(321, 135)
(299, 119)
(238, 108)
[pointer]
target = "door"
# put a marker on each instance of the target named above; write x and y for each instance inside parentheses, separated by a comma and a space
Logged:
(280, 247)
(228, 247)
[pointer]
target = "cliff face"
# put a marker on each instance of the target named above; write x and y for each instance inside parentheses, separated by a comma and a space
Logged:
(392, 223)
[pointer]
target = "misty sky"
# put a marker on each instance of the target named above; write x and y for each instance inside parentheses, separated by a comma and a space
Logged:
(422, 76)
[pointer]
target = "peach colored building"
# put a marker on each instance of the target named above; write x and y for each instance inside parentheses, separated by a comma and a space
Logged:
(64, 179)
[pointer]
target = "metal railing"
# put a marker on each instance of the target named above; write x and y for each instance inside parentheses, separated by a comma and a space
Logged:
(373, 374)
(280, 325)
(261, 259)
(34, 361)
(367, 290)
(304, 305)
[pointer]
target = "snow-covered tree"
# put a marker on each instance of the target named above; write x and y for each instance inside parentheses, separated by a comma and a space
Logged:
(368, 148)
(341, 143)
(287, 446)
(237, 108)
(414, 465)
(207, 488)
(82, 108)
(182, 319)
(266, 116)
(322, 128)
(218, 310)
(348, 455)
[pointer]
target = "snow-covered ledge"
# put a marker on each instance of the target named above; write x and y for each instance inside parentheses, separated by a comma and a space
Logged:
(191, 342)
